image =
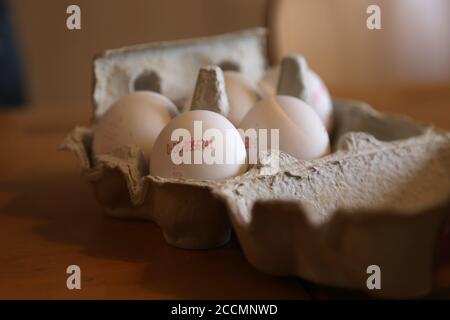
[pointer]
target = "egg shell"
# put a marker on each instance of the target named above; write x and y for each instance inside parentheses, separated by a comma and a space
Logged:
(242, 95)
(318, 95)
(161, 163)
(268, 83)
(301, 132)
(320, 99)
(135, 119)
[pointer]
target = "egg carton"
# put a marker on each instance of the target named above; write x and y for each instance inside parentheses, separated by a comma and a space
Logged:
(171, 67)
(380, 198)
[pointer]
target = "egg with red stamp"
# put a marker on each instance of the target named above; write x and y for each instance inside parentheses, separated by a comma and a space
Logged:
(199, 144)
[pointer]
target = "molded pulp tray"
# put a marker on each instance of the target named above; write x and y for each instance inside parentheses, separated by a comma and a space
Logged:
(380, 198)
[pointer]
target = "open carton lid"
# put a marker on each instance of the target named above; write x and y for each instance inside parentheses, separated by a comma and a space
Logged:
(175, 65)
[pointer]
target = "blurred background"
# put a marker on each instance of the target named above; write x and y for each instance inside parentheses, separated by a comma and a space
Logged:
(43, 64)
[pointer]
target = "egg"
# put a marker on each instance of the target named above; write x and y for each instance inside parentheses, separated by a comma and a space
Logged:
(134, 119)
(312, 89)
(268, 83)
(301, 132)
(242, 94)
(199, 144)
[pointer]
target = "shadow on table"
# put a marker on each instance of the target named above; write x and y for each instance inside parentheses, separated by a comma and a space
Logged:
(70, 215)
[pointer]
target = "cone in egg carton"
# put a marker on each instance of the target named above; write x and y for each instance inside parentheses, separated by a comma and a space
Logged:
(381, 197)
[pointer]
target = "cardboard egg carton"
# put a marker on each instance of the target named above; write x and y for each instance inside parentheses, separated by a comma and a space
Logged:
(380, 198)
(171, 67)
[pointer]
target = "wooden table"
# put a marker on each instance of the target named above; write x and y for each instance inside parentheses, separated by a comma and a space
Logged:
(50, 220)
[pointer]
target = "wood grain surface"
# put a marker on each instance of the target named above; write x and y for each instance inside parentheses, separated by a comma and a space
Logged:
(49, 220)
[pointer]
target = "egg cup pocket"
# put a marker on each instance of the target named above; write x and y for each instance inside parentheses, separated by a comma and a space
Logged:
(365, 119)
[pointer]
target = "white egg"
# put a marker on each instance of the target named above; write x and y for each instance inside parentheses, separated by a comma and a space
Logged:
(206, 146)
(318, 96)
(242, 95)
(268, 83)
(135, 119)
(320, 99)
(186, 104)
(301, 132)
